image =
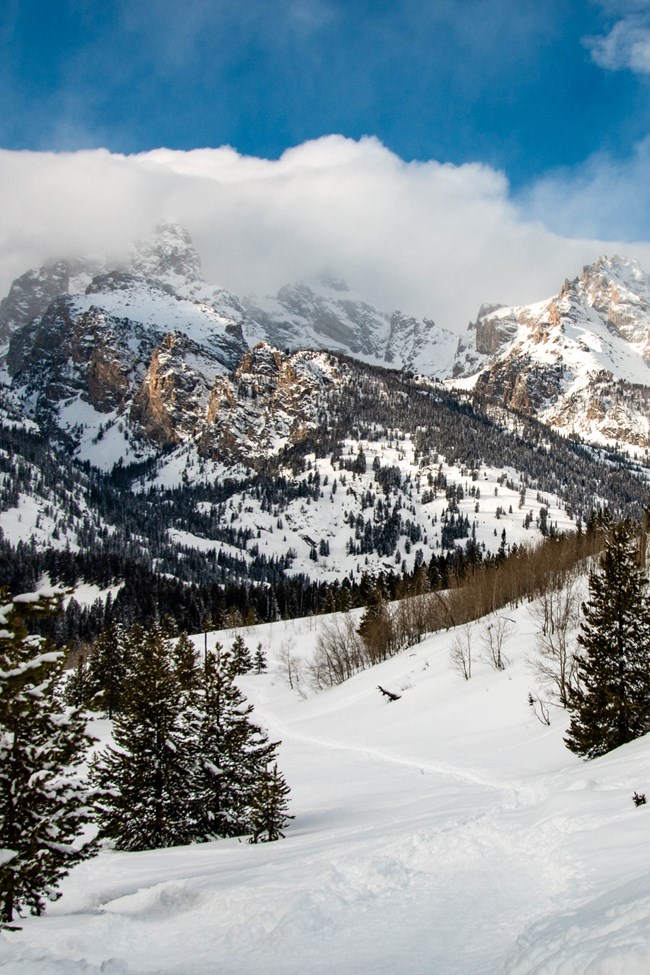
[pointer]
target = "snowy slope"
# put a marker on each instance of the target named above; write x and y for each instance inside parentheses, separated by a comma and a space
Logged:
(490, 504)
(449, 832)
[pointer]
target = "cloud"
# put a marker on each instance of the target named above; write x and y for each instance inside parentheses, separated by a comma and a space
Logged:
(627, 44)
(603, 198)
(430, 238)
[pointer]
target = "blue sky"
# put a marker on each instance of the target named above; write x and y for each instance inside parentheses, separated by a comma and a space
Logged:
(512, 83)
(504, 135)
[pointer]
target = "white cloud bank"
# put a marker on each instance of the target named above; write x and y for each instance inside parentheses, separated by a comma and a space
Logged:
(429, 238)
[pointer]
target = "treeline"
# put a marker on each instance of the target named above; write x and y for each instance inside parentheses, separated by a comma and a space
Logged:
(145, 596)
(388, 627)
(114, 531)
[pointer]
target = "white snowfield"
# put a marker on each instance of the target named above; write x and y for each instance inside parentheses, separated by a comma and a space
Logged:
(447, 833)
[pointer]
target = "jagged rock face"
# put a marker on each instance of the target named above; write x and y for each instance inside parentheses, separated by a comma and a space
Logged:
(323, 314)
(619, 290)
(520, 384)
(168, 256)
(32, 293)
(66, 352)
(561, 359)
(494, 332)
(171, 403)
(326, 315)
(145, 349)
(272, 400)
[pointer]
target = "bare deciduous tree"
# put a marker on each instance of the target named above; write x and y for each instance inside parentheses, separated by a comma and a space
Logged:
(461, 650)
(540, 709)
(340, 652)
(557, 613)
(493, 633)
(289, 664)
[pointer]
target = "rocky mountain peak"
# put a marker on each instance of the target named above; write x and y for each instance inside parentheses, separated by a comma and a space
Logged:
(36, 289)
(168, 256)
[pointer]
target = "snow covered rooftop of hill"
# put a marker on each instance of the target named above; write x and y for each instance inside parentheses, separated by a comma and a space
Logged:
(449, 832)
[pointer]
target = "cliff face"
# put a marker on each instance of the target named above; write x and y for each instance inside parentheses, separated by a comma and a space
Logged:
(272, 400)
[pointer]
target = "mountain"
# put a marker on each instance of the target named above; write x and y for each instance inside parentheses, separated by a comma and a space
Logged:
(31, 293)
(579, 361)
(135, 359)
(324, 314)
(123, 362)
(149, 430)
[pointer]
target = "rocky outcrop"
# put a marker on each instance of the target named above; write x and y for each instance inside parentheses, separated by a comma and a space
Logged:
(271, 401)
(32, 293)
(560, 359)
(493, 331)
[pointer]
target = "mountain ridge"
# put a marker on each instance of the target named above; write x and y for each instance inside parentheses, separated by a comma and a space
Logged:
(579, 361)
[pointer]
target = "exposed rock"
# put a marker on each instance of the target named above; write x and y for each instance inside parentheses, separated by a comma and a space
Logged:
(493, 332)
(271, 401)
(32, 293)
(560, 359)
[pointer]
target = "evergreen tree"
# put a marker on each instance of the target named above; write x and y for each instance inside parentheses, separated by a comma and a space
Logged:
(268, 807)
(260, 659)
(76, 692)
(376, 626)
(611, 704)
(145, 780)
(43, 800)
(108, 668)
(241, 656)
(185, 665)
(231, 752)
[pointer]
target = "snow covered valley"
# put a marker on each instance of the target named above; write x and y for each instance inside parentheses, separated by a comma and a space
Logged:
(449, 832)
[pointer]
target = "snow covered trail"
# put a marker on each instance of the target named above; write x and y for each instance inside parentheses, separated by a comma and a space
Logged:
(447, 833)
(382, 874)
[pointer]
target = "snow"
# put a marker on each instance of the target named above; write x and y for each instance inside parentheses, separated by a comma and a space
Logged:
(156, 309)
(448, 832)
(86, 593)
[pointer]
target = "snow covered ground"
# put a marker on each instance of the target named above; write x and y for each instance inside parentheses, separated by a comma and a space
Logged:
(447, 833)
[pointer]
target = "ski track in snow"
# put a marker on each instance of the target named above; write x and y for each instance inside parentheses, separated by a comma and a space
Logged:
(462, 775)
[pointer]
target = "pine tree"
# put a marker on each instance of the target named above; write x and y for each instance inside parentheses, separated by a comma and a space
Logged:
(185, 665)
(260, 659)
(376, 626)
(242, 660)
(611, 704)
(43, 799)
(76, 692)
(108, 667)
(231, 752)
(145, 780)
(268, 807)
